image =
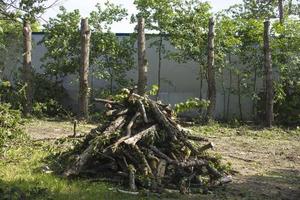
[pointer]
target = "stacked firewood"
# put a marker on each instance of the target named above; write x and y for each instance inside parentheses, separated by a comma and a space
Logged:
(144, 146)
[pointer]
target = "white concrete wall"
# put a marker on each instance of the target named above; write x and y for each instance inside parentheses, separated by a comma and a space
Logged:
(179, 81)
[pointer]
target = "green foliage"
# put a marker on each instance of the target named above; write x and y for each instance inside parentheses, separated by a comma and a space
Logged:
(192, 103)
(102, 19)
(62, 40)
(48, 96)
(122, 95)
(189, 22)
(45, 89)
(50, 108)
(287, 106)
(286, 59)
(154, 90)
(10, 130)
(12, 94)
(15, 10)
(110, 56)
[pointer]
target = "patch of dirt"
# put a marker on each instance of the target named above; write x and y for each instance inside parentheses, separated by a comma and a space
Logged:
(49, 129)
(266, 168)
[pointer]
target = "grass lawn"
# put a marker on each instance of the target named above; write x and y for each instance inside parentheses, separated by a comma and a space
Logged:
(266, 165)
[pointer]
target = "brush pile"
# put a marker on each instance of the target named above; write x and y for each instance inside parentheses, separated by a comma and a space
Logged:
(142, 145)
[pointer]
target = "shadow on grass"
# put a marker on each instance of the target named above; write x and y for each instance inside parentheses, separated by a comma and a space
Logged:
(76, 190)
(279, 184)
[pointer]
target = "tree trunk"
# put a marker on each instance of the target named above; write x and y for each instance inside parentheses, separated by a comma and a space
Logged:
(84, 70)
(201, 82)
(254, 102)
(210, 71)
(281, 11)
(224, 95)
(229, 94)
(27, 69)
(142, 62)
(269, 75)
(159, 65)
(230, 88)
(239, 95)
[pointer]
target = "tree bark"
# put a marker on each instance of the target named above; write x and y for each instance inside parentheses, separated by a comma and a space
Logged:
(27, 69)
(142, 62)
(229, 94)
(254, 102)
(159, 65)
(224, 95)
(84, 70)
(268, 75)
(239, 95)
(281, 11)
(201, 81)
(210, 70)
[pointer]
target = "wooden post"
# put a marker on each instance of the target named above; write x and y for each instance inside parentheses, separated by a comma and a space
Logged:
(211, 71)
(268, 75)
(84, 70)
(142, 62)
(27, 68)
(281, 11)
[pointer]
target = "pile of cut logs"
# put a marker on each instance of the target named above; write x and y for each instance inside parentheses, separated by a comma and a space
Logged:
(142, 144)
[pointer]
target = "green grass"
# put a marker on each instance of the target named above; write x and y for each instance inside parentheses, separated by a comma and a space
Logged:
(21, 173)
(225, 130)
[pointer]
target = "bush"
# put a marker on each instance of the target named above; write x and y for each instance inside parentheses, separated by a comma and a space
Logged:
(10, 121)
(287, 109)
(190, 104)
(48, 96)
(14, 95)
(50, 108)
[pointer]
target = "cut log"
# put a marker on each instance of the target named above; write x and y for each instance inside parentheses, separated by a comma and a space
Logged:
(104, 101)
(173, 131)
(133, 140)
(132, 172)
(128, 134)
(143, 111)
(88, 152)
(206, 147)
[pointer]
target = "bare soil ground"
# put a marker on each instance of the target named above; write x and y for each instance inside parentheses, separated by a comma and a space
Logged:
(53, 129)
(266, 163)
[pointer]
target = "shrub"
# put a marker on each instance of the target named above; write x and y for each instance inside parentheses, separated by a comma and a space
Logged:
(10, 121)
(190, 104)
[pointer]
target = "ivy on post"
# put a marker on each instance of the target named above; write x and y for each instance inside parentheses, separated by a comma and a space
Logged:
(27, 68)
(84, 69)
(210, 70)
(142, 62)
(268, 75)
